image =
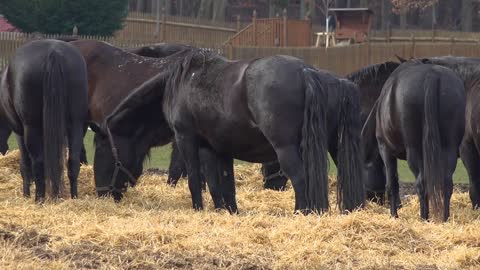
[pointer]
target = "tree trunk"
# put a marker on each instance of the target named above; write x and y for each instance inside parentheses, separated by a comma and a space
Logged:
(349, 3)
(140, 5)
(403, 21)
(467, 7)
(205, 10)
(364, 3)
(340, 3)
(312, 8)
(303, 9)
(219, 11)
(386, 14)
(154, 6)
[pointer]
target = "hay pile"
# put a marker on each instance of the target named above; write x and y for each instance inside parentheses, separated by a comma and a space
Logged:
(155, 228)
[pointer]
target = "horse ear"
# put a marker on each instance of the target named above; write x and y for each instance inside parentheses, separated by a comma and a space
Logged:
(402, 60)
(148, 91)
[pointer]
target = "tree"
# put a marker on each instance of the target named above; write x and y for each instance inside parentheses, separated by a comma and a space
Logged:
(467, 7)
(92, 17)
(404, 6)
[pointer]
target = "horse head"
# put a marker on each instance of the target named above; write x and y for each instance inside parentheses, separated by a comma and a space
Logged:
(123, 141)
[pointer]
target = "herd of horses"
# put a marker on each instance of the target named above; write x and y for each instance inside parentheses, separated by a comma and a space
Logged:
(273, 110)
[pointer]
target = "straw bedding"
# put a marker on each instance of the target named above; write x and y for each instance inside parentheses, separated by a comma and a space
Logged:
(155, 228)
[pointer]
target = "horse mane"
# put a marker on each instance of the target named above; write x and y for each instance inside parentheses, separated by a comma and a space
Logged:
(372, 72)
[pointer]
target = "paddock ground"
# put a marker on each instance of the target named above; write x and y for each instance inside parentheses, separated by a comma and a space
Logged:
(155, 228)
(160, 158)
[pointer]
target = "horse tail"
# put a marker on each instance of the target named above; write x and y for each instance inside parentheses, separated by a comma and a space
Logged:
(314, 142)
(433, 170)
(350, 185)
(54, 126)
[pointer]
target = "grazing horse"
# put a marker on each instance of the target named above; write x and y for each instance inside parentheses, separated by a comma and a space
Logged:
(44, 101)
(283, 107)
(468, 69)
(420, 117)
(370, 81)
(113, 73)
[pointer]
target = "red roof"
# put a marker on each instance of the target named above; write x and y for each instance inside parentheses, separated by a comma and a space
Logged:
(5, 26)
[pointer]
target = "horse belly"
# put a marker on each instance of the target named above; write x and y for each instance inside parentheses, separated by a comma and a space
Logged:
(243, 143)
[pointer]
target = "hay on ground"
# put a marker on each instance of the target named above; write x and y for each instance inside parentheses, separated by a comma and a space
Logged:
(155, 228)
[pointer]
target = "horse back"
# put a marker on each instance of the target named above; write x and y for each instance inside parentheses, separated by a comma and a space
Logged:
(400, 115)
(113, 74)
(24, 80)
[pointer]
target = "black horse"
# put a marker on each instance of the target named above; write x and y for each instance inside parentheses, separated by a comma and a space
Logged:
(284, 109)
(44, 100)
(468, 69)
(370, 81)
(420, 117)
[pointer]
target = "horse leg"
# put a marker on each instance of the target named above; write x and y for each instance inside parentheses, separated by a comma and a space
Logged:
(415, 162)
(228, 184)
(392, 186)
(451, 158)
(75, 145)
(83, 153)
(291, 164)
(34, 145)
(25, 166)
(375, 181)
(188, 146)
(471, 159)
(5, 132)
(210, 167)
(273, 177)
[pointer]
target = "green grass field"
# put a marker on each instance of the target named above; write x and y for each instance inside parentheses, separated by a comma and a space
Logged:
(160, 158)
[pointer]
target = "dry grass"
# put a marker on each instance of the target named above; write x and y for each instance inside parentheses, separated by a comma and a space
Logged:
(154, 228)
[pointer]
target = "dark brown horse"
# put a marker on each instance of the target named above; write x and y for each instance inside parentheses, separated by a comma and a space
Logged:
(43, 97)
(420, 117)
(112, 74)
(283, 107)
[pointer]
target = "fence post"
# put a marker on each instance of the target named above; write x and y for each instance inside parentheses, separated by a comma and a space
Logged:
(238, 23)
(389, 32)
(434, 32)
(157, 23)
(164, 24)
(412, 39)
(452, 44)
(285, 39)
(254, 23)
(368, 51)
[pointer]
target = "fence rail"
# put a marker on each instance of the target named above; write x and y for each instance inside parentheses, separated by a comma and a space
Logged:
(340, 60)
(172, 29)
(344, 60)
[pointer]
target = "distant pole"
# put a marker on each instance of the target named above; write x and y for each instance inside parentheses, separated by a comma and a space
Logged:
(238, 23)
(254, 22)
(164, 24)
(157, 26)
(285, 40)
(75, 31)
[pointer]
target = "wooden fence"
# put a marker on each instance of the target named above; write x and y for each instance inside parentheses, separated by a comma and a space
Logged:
(164, 28)
(340, 60)
(344, 60)
(273, 32)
